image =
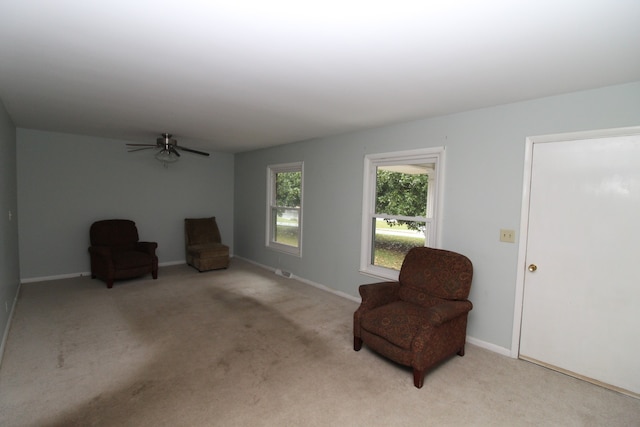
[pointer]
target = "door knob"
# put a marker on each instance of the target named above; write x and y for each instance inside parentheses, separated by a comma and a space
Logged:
(533, 267)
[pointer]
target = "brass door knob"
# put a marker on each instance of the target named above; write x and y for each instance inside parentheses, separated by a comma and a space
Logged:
(533, 267)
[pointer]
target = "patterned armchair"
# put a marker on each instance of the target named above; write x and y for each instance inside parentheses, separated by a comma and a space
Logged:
(422, 319)
(116, 252)
(204, 250)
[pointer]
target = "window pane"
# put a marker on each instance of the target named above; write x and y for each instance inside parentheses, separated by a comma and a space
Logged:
(286, 226)
(402, 189)
(284, 211)
(393, 239)
(288, 189)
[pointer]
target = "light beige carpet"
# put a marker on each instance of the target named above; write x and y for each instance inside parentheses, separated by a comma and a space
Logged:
(244, 347)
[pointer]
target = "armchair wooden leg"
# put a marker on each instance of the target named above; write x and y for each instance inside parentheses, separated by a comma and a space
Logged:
(418, 378)
(461, 352)
(357, 343)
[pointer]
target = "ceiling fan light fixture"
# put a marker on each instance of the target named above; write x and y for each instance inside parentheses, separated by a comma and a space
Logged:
(166, 156)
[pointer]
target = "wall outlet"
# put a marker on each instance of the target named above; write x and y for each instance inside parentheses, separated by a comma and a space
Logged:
(508, 236)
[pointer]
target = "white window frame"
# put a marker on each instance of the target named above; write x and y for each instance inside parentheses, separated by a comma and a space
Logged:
(272, 171)
(435, 195)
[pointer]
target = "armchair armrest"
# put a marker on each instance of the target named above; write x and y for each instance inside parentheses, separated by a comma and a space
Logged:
(377, 294)
(101, 251)
(147, 247)
(373, 295)
(449, 310)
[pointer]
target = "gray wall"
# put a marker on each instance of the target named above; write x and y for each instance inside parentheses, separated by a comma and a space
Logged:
(9, 264)
(483, 192)
(65, 182)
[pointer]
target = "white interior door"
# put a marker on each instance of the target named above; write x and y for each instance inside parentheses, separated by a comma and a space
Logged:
(581, 292)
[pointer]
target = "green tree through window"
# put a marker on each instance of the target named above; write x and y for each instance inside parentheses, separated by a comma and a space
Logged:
(404, 194)
(288, 189)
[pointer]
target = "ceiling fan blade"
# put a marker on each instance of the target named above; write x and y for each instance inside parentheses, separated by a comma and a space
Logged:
(142, 145)
(202, 153)
(142, 148)
(172, 149)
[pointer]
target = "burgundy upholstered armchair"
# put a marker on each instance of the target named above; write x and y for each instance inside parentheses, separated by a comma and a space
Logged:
(116, 252)
(420, 320)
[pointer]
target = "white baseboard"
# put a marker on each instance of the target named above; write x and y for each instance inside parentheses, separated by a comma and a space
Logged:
(266, 267)
(57, 277)
(328, 289)
(489, 346)
(290, 275)
(167, 264)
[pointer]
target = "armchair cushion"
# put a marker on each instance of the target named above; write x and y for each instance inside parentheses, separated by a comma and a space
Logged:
(397, 322)
(123, 260)
(208, 250)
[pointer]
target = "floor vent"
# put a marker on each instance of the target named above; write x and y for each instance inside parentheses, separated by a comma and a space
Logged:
(283, 273)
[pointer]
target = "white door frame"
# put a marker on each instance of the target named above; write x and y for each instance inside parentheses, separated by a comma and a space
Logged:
(524, 213)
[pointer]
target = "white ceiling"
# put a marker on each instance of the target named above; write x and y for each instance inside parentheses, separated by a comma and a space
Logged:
(234, 75)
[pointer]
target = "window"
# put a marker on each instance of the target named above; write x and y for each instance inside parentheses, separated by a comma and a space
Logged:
(284, 207)
(400, 207)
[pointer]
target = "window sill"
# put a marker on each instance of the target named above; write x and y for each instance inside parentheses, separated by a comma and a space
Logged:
(381, 273)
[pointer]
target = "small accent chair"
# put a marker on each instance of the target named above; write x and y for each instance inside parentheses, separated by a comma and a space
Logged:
(204, 249)
(116, 252)
(422, 319)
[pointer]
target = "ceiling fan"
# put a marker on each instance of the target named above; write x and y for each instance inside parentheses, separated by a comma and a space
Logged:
(168, 149)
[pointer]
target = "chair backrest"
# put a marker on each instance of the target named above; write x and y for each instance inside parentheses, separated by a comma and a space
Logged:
(113, 232)
(429, 272)
(199, 231)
